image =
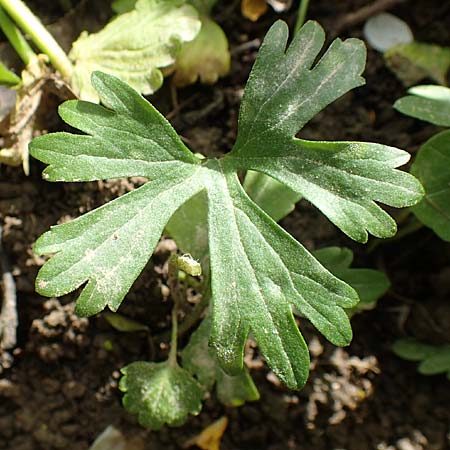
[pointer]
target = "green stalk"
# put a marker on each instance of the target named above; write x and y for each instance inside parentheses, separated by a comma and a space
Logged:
(174, 336)
(31, 25)
(175, 294)
(16, 38)
(302, 10)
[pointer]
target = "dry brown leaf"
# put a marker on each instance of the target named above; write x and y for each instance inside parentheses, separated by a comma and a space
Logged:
(209, 438)
(253, 9)
(17, 129)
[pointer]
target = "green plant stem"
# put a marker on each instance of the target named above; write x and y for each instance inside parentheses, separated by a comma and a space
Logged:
(194, 316)
(174, 336)
(30, 24)
(175, 294)
(301, 15)
(16, 38)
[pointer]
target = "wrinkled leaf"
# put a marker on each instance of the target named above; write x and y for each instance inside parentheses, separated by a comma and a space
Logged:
(135, 46)
(205, 58)
(258, 271)
(432, 167)
(160, 393)
(430, 103)
(415, 61)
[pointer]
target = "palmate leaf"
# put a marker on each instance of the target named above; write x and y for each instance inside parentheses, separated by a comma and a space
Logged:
(343, 179)
(259, 273)
(135, 45)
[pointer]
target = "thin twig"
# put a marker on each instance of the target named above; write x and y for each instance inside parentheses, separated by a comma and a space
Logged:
(353, 18)
(242, 48)
(8, 315)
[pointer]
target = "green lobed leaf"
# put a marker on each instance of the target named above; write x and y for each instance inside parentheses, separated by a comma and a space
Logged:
(432, 167)
(199, 359)
(429, 102)
(160, 393)
(370, 284)
(283, 93)
(259, 273)
(135, 45)
(434, 359)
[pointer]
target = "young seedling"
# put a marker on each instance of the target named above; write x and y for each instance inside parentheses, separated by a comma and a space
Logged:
(258, 272)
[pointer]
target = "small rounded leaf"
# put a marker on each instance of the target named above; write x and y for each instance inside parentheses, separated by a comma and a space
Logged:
(160, 393)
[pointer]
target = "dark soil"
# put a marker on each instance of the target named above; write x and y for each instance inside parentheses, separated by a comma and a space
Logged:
(58, 387)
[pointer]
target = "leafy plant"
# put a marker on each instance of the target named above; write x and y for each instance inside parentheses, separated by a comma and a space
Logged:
(146, 39)
(258, 272)
(434, 359)
(432, 163)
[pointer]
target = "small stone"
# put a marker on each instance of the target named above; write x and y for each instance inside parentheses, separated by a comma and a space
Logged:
(73, 389)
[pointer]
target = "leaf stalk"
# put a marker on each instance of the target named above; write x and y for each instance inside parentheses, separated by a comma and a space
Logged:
(16, 38)
(31, 25)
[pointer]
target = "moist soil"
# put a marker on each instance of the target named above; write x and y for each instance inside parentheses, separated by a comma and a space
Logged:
(59, 385)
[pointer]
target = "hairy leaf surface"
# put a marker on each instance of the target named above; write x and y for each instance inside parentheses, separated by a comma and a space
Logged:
(343, 179)
(259, 273)
(160, 393)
